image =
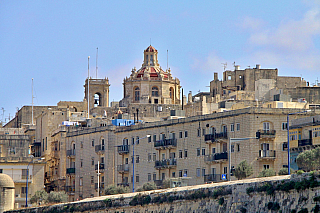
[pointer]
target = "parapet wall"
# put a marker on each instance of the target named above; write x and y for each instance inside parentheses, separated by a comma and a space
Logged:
(298, 193)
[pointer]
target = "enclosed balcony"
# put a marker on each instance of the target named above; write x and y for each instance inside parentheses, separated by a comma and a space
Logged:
(165, 143)
(123, 168)
(214, 178)
(166, 163)
(71, 153)
(215, 137)
(101, 166)
(270, 133)
(99, 149)
(123, 149)
(216, 158)
(305, 142)
(71, 171)
(267, 154)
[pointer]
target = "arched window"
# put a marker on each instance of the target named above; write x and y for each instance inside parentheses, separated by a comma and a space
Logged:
(171, 94)
(155, 91)
(137, 94)
(97, 99)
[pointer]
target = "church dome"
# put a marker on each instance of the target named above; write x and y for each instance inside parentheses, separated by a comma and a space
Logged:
(151, 49)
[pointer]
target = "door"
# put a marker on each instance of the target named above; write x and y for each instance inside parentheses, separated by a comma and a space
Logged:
(265, 150)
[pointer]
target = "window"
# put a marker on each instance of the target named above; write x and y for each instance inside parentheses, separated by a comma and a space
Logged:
(180, 173)
(163, 156)
(199, 132)
(198, 172)
(229, 77)
(149, 177)
(266, 126)
(225, 170)
(180, 153)
(92, 179)
(137, 94)
(185, 174)
(24, 173)
(203, 131)
(232, 148)
(238, 147)
(154, 157)
(81, 181)
(238, 127)
(266, 166)
(180, 134)
(81, 163)
(185, 134)
(173, 174)
(92, 161)
(137, 179)
(284, 126)
(137, 159)
(198, 152)
(23, 190)
(185, 153)
(240, 76)
(81, 144)
(203, 151)
(1, 170)
(163, 176)
(154, 138)
(149, 139)
(126, 160)
(155, 91)
(213, 150)
(232, 127)
(149, 157)
(203, 172)
(132, 140)
(154, 176)
(92, 142)
(138, 140)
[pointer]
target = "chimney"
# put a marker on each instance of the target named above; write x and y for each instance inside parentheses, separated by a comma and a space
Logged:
(190, 97)
(258, 66)
(215, 76)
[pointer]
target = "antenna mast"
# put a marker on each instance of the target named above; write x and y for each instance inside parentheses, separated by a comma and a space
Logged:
(32, 102)
(224, 66)
(167, 60)
(97, 65)
(88, 89)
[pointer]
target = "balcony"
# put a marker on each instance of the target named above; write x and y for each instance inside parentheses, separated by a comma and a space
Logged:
(215, 137)
(166, 163)
(101, 167)
(216, 158)
(267, 133)
(305, 142)
(267, 154)
(123, 149)
(214, 178)
(165, 144)
(71, 171)
(99, 149)
(70, 189)
(123, 168)
(71, 153)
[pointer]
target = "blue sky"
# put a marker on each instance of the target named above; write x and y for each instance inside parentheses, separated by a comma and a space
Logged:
(51, 40)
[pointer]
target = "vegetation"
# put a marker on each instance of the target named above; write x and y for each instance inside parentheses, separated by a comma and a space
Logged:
(147, 187)
(309, 160)
(113, 190)
(267, 173)
(284, 171)
(42, 196)
(243, 170)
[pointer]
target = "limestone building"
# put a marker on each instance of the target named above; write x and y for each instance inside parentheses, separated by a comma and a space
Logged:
(98, 92)
(150, 84)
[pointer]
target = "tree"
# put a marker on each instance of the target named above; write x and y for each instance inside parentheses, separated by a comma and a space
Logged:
(309, 160)
(284, 171)
(147, 187)
(39, 197)
(267, 173)
(243, 170)
(113, 190)
(57, 197)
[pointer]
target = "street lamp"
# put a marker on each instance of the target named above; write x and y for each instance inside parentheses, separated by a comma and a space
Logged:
(147, 136)
(309, 110)
(27, 178)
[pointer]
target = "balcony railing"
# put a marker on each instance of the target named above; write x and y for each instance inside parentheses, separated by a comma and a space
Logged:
(214, 178)
(99, 148)
(267, 153)
(214, 136)
(70, 189)
(71, 170)
(166, 143)
(305, 142)
(101, 166)
(271, 133)
(123, 149)
(123, 168)
(71, 153)
(167, 163)
(217, 157)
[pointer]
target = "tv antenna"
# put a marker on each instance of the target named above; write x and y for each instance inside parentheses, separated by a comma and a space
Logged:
(97, 64)
(224, 66)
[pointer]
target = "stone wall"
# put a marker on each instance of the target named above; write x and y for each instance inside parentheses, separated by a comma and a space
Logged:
(298, 193)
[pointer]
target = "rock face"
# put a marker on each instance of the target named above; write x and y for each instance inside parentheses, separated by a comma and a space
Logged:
(6, 193)
(273, 194)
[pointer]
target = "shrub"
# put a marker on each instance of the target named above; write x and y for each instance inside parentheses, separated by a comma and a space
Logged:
(267, 173)
(113, 190)
(284, 171)
(147, 187)
(300, 172)
(243, 170)
(140, 199)
(57, 197)
(39, 196)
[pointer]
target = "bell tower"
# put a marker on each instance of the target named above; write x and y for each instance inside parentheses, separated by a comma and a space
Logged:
(98, 92)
